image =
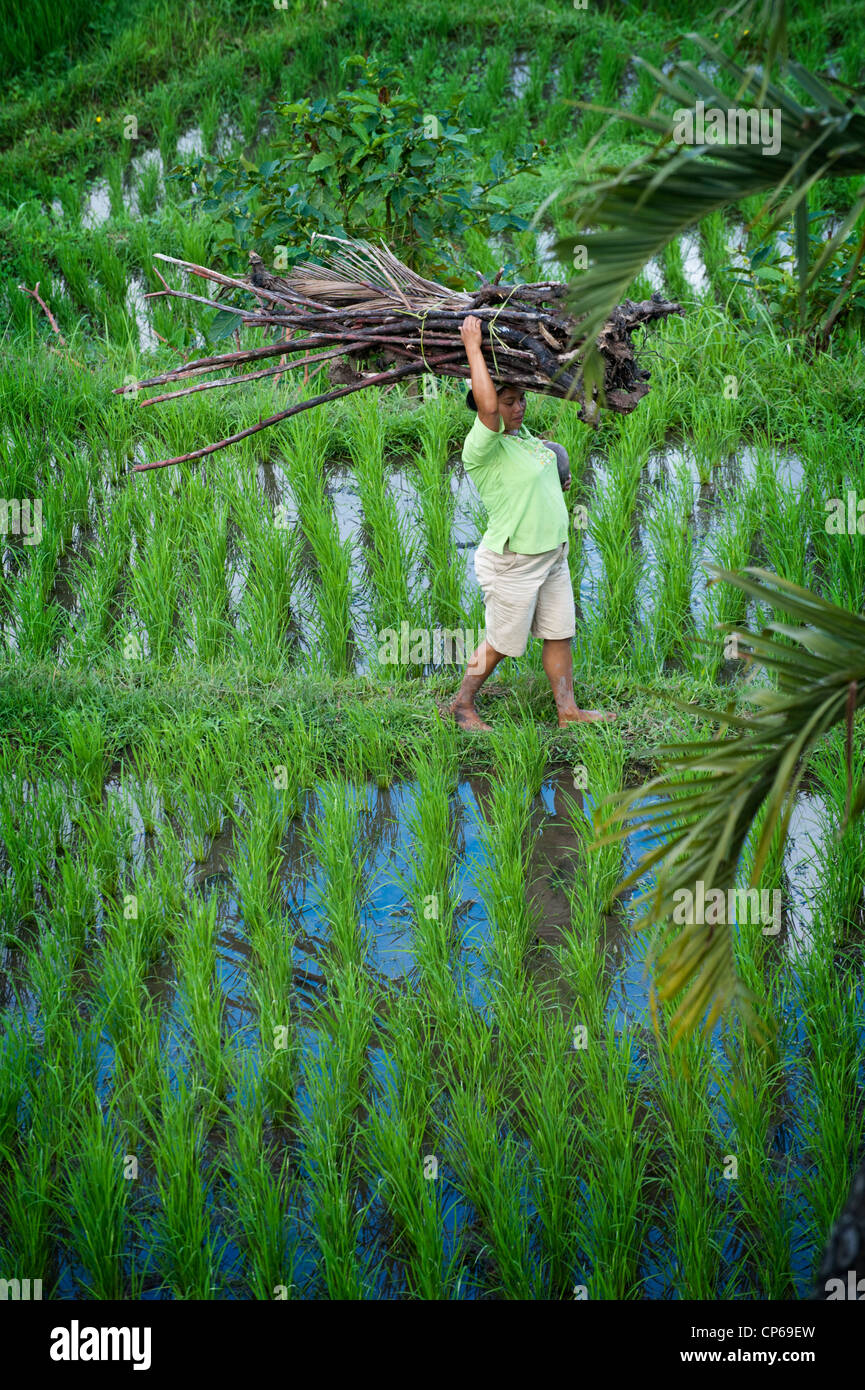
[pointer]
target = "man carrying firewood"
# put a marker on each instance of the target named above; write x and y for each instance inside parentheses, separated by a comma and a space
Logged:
(521, 562)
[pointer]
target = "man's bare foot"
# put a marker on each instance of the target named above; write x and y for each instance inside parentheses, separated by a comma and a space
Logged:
(583, 716)
(466, 715)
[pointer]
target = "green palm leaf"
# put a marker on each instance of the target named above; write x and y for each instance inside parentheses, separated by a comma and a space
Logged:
(643, 205)
(705, 800)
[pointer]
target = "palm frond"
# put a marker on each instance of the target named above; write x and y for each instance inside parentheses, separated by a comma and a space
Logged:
(643, 205)
(702, 806)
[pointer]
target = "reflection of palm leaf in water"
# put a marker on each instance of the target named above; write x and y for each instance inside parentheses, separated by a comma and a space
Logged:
(707, 798)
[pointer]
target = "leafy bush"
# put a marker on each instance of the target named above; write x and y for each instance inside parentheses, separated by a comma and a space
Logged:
(371, 162)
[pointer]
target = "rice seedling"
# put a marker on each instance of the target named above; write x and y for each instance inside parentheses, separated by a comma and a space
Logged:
(831, 1012)
(121, 991)
(502, 880)
(372, 749)
(330, 1082)
(430, 880)
(187, 1252)
(845, 578)
(18, 1055)
(395, 1156)
(260, 1190)
(752, 1095)
(154, 593)
(707, 448)
(333, 559)
(209, 579)
(713, 244)
(170, 873)
(785, 534)
(841, 872)
(86, 755)
(611, 66)
(139, 1068)
(139, 784)
(546, 1118)
(729, 548)
(675, 279)
(209, 117)
(27, 1187)
(772, 874)
(255, 868)
(95, 1204)
(149, 188)
(98, 573)
(69, 1042)
(496, 72)
(200, 996)
(205, 781)
(269, 597)
(73, 907)
(28, 33)
(490, 1164)
(24, 860)
(296, 756)
(695, 1171)
(109, 268)
(258, 857)
(437, 504)
(332, 838)
(672, 570)
(390, 550)
(581, 953)
(610, 629)
(35, 624)
(106, 840)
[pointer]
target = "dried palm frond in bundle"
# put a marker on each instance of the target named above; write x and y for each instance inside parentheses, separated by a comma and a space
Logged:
(360, 304)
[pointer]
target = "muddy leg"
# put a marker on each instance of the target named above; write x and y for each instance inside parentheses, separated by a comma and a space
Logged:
(462, 707)
(558, 662)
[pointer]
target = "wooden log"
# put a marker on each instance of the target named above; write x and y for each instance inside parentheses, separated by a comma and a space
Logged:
(366, 307)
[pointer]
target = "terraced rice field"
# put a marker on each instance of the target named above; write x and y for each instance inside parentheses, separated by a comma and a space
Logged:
(303, 994)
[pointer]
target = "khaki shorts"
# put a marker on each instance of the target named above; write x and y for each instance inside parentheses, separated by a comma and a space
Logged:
(525, 594)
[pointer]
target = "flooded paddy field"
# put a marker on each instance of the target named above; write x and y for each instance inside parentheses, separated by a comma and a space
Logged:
(303, 1036)
(304, 995)
(368, 527)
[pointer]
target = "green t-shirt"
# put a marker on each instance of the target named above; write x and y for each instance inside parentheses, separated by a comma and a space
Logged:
(518, 480)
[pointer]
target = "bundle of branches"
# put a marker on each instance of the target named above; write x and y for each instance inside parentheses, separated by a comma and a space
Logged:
(363, 305)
